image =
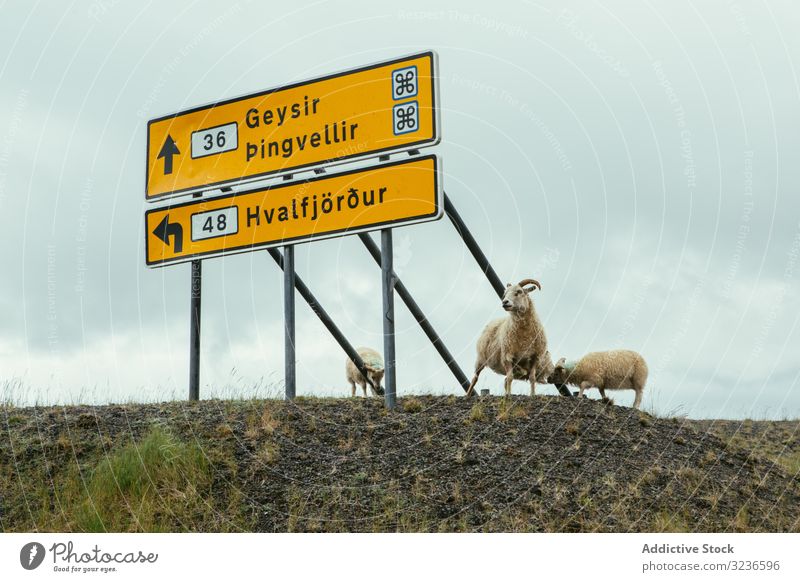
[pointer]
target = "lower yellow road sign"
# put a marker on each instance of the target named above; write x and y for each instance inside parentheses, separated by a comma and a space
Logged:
(394, 194)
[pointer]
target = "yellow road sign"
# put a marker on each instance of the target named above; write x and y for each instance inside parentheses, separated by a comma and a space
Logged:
(393, 194)
(389, 106)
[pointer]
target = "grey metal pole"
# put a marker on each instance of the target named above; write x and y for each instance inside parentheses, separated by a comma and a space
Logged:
(194, 330)
(323, 316)
(288, 321)
(387, 277)
(473, 247)
(194, 325)
(416, 311)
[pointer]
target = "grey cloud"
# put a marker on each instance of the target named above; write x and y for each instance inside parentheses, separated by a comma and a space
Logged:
(638, 159)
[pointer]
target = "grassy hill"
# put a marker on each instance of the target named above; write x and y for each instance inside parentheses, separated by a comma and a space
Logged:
(436, 464)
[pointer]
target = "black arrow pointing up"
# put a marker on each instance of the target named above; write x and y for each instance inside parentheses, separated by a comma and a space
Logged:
(166, 229)
(168, 150)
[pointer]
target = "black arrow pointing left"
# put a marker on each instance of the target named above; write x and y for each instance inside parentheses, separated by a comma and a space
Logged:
(166, 229)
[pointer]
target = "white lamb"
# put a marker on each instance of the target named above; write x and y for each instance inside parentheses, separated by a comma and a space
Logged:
(515, 346)
(375, 369)
(611, 370)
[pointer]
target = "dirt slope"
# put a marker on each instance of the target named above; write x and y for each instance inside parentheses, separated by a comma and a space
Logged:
(437, 464)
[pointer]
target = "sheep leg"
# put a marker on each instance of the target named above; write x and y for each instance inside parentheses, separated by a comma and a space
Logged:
(638, 400)
(364, 388)
(532, 379)
(606, 399)
(353, 389)
(584, 386)
(471, 389)
(509, 379)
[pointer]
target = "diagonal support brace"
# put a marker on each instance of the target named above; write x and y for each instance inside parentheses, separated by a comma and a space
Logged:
(323, 316)
(418, 314)
(473, 247)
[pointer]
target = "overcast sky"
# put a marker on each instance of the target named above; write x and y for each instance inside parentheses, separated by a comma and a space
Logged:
(639, 158)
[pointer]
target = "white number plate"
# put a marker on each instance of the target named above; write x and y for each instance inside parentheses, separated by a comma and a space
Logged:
(215, 223)
(215, 140)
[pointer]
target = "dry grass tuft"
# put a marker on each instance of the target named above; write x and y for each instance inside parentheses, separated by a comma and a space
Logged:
(412, 405)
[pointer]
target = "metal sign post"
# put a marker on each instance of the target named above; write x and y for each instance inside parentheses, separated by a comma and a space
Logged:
(194, 330)
(383, 108)
(194, 314)
(323, 316)
(288, 321)
(416, 311)
(387, 277)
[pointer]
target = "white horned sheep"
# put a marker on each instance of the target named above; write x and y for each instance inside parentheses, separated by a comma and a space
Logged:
(375, 369)
(515, 346)
(611, 370)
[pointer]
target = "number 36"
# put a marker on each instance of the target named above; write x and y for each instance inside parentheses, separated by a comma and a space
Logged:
(209, 139)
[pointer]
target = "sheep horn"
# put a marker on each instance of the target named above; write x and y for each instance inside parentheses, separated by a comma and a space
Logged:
(533, 282)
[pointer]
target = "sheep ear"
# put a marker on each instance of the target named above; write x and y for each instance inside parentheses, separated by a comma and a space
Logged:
(561, 361)
(508, 285)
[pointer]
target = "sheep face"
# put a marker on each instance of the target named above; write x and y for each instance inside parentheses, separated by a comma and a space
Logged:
(559, 375)
(516, 300)
(545, 369)
(376, 376)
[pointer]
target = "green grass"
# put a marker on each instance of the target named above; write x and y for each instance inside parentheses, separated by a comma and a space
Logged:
(134, 487)
(477, 414)
(669, 522)
(791, 462)
(157, 483)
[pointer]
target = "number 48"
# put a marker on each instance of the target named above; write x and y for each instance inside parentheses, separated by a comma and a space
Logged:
(208, 225)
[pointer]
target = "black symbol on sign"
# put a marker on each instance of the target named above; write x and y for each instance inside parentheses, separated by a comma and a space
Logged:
(168, 150)
(404, 83)
(166, 229)
(406, 118)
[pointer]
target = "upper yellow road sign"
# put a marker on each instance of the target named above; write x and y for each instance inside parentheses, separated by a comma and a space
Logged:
(380, 108)
(389, 195)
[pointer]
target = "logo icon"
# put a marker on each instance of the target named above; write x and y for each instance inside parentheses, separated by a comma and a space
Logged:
(31, 555)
